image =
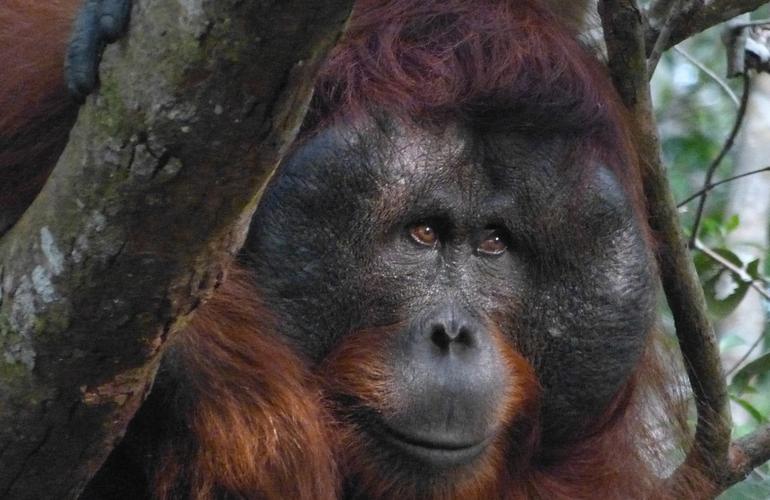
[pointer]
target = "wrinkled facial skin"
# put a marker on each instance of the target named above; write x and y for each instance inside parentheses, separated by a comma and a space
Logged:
(572, 289)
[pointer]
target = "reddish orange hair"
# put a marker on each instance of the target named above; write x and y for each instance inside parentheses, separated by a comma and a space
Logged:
(259, 426)
(511, 66)
(494, 64)
(258, 416)
(36, 113)
(438, 59)
(262, 425)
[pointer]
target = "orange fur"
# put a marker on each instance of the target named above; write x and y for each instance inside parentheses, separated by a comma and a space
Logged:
(33, 36)
(630, 449)
(264, 428)
(257, 416)
(36, 113)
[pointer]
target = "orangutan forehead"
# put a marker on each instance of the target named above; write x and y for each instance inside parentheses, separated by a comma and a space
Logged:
(396, 151)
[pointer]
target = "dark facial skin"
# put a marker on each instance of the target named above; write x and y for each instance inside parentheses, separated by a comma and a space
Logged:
(448, 234)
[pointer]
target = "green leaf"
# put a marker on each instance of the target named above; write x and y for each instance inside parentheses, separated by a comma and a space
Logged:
(743, 377)
(725, 292)
(730, 256)
(706, 267)
(732, 223)
(752, 269)
(750, 409)
(710, 226)
(750, 389)
(724, 289)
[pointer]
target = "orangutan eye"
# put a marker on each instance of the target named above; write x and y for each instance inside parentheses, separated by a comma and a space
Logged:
(493, 244)
(424, 234)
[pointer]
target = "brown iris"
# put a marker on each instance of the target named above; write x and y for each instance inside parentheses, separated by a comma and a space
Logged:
(492, 244)
(424, 234)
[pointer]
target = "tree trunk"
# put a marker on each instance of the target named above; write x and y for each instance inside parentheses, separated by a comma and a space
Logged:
(133, 229)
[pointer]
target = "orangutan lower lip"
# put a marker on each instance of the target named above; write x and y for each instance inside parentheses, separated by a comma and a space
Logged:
(416, 441)
(448, 452)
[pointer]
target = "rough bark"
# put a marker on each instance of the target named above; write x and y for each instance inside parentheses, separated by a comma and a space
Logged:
(147, 203)
(696, 16)
(748, 453)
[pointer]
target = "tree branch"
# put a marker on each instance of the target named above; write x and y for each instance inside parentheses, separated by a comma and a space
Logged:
(748, 453)
(624, 31)
(147, 203)
(698, 16)
(753, 347)
(661, 43)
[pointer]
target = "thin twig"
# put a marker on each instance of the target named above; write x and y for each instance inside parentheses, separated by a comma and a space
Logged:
(706, 189)
(742, 274)
(746, 355)
(719, 81)
(725, 149)
(755, 284)
(752, 283)
(657, 9)
(721, 260)
(748, 24)
(661, 44)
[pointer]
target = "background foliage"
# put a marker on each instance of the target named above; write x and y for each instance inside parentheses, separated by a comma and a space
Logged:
(695, 114)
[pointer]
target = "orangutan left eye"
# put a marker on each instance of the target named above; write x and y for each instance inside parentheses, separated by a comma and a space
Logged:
(493, 244)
